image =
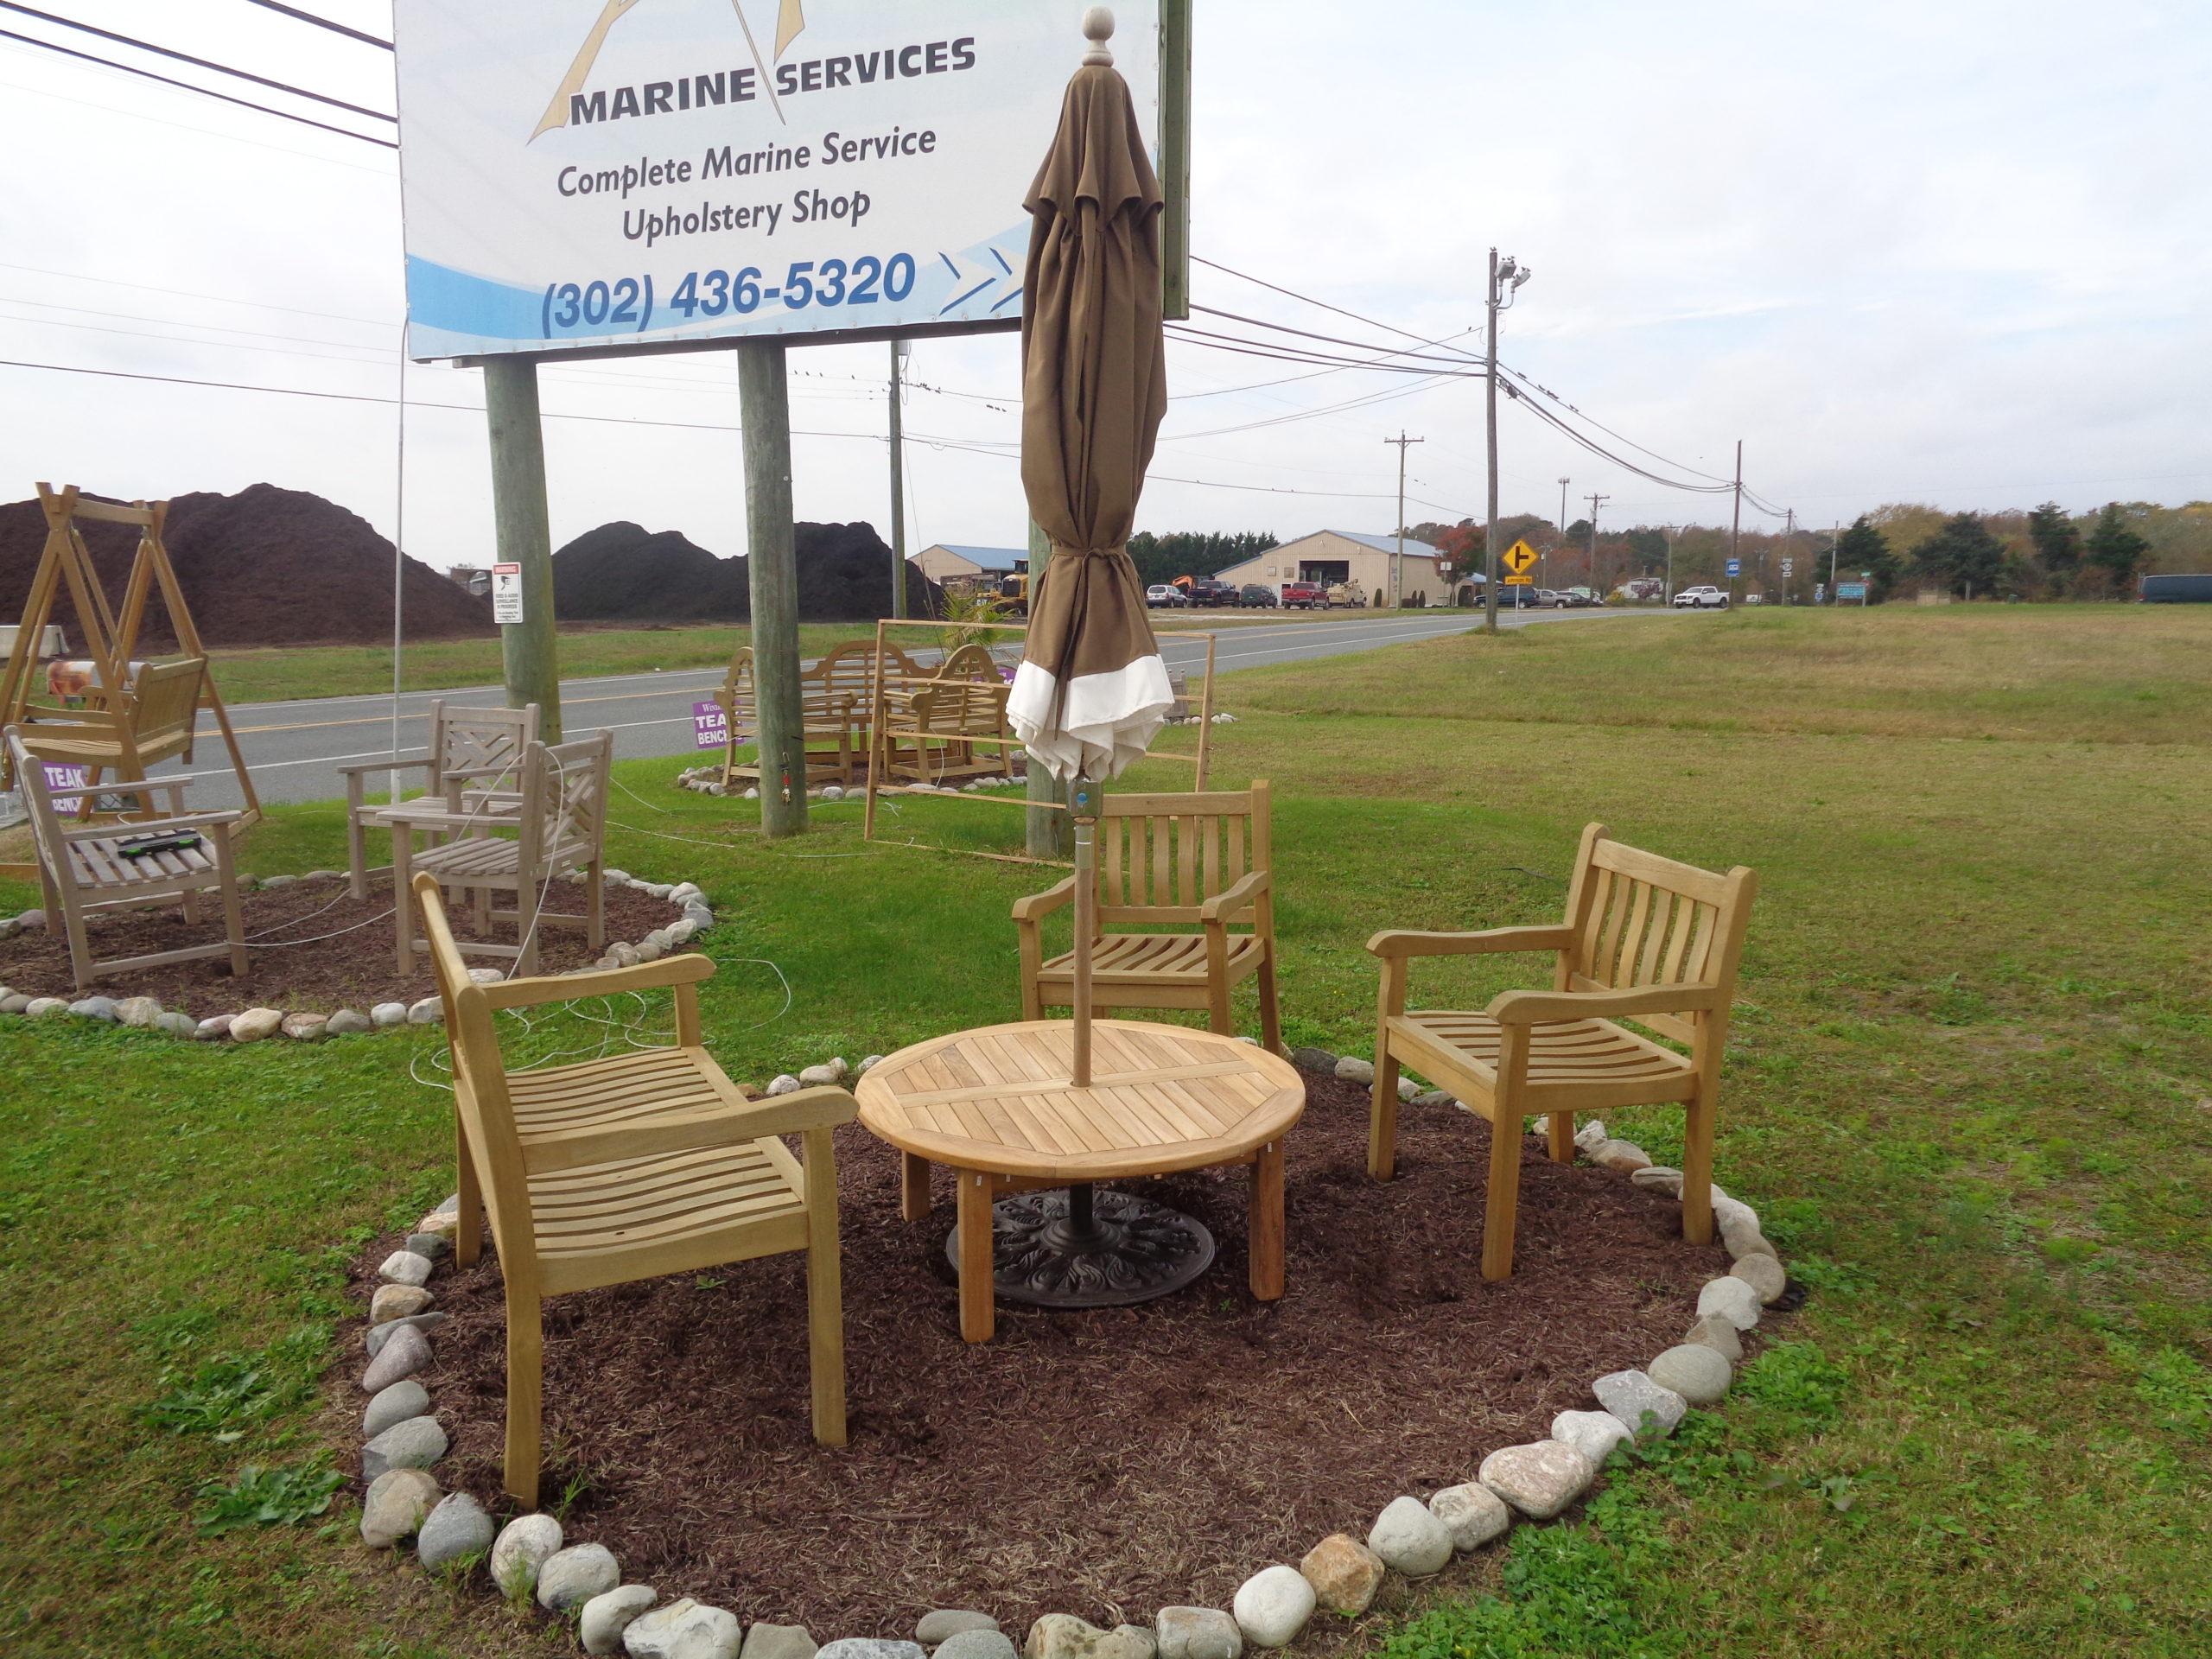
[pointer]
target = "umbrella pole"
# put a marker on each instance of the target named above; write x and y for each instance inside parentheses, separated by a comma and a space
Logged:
(1084, 800)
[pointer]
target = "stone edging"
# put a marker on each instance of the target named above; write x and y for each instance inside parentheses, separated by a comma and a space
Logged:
(253, 1025)
(531, 1555)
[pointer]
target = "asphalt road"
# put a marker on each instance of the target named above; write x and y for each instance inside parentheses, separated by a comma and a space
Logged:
(295, 748)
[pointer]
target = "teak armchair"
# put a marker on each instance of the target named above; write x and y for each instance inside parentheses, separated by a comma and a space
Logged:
(474, 753)
(1645, 939)
(928, 723)
(632, 1167)
(1193, 861)
(560, 826)
(83, 872)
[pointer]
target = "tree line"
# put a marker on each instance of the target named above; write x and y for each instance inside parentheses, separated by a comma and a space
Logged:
(1193, 553)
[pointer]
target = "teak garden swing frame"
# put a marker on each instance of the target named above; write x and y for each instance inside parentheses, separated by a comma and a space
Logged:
(110, 637)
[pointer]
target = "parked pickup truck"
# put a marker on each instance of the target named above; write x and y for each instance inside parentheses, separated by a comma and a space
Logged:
(1305, 596)
(1207, 591)
(1707, 598)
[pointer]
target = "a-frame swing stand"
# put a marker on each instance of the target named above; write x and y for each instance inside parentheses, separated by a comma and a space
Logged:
(108, 638)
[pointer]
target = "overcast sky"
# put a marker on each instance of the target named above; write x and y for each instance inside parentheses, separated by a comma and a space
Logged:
(1953, 253)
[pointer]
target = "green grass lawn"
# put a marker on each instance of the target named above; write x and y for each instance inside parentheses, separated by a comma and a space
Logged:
(1970, 1088)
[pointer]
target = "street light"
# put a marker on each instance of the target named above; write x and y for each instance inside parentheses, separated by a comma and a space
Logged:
(1505, 280)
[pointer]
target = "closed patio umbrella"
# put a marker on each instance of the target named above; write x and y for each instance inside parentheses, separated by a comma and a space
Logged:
(1092, 692)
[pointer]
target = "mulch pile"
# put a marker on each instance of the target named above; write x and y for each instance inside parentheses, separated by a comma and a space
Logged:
(353, 969)
(264, 567)
(622, 572)
(1104, 1463)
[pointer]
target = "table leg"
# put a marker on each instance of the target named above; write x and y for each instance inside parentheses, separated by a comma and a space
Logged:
(977, 1287)
(913, 1186)
(1267, 1225)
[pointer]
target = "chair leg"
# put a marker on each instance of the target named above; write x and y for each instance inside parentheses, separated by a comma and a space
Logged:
(1218, 1017)
(1264, 1272)
(913, 1187)
(525, 1395)
(1697, 1168)
(1560, 1141)
(1032, 997)
(468, 1194)
(976, 1285)
(1382, 1114)
(81, 947)
(526, 963)
(596, 903)
(1270, 1009)
(357, 854)
(191, 900)
(825, 1324)
(403, 898)
(1503, 1201)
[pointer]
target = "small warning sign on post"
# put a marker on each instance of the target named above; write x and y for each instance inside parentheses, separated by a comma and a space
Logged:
(1518, 557)
(506, 594)
(710, 725)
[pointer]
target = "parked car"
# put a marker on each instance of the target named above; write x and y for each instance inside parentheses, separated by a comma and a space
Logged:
(1257, 596)
(1305, 596)
(1207, 591)
(1704, 598)
(1547, 598)
(1164, 594)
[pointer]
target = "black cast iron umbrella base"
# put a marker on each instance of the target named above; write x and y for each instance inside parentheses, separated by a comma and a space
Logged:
(1077, 1246)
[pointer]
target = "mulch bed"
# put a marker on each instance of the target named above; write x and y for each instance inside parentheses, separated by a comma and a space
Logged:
(1105, 1463)
(352, 969)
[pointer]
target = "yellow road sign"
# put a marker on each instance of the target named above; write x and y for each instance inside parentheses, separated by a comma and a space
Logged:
(1518, 557)
(1520, 581)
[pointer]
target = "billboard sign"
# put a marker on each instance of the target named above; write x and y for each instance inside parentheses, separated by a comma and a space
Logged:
(626, 174)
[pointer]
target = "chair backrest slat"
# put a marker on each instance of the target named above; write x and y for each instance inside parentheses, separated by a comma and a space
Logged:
(1640, 920)
(1161, 856)
(482, 739)
(46, 823)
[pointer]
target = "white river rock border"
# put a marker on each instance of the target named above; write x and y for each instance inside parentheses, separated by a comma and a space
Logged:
(1527, 1484)
(257, 1024)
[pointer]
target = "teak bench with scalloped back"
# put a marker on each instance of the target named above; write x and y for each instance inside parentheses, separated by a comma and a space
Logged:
(1646, 939)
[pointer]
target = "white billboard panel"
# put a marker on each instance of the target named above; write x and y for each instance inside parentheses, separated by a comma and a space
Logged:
(594, 173)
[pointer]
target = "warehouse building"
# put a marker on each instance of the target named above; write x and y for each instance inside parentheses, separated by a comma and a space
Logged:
(1329, 556)
(944, 563)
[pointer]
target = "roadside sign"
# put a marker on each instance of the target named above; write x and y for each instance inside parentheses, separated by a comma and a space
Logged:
(1735, 567)
(1820, 592)
(67, 777)
(1517, 557)
(1520, 581)
(1851, 590)
(710, 725)
(1789, 567)
(506, 594)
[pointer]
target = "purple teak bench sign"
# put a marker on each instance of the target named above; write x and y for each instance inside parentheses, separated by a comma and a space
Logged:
(709, 726)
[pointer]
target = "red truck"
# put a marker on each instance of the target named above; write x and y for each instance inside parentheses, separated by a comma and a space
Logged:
(1305, 596)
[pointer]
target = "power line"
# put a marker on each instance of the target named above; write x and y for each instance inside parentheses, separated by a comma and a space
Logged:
(1358, 345)
(205, 92)
(200, 63)
(1309, 300)
(322, 22)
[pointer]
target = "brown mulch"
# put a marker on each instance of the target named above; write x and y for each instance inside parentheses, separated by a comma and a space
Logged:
(353, 969)
(1105, 1463)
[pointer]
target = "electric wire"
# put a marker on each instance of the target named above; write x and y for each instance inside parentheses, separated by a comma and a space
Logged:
(205, 92)
(198, 63)
(321, 22)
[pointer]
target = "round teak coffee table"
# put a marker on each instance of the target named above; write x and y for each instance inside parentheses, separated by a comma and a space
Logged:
(997, 1106)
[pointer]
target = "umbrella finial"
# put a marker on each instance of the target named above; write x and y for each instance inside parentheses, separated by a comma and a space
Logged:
(1098, 28)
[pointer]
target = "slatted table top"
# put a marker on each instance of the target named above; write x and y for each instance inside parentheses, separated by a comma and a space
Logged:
(1161, 1098)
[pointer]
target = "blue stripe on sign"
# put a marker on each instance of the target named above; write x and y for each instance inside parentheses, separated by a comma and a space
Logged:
(440, 297)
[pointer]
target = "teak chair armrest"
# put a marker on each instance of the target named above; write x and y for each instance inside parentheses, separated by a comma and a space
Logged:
(1544, 1008)
(362, 768)
(727, 1126)
(1042, 904)
(1235, 896)
(431, 817)
(689, 969)
(150, 826)
(1397, 945)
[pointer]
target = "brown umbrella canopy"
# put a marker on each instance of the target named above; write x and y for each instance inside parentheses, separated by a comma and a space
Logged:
(1091, 691)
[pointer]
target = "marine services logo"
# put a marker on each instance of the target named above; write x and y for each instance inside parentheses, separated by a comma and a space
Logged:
(570, 105)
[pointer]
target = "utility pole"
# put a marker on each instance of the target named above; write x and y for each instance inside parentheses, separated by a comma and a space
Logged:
(1835, 535)
(1736, 524)
(521, 536)
(1506, 276)
(1594, 501)
(1544, 566)
(1789, 534)
(898, 487)
(771, 569)
(1669, 530)
(1398, 559)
